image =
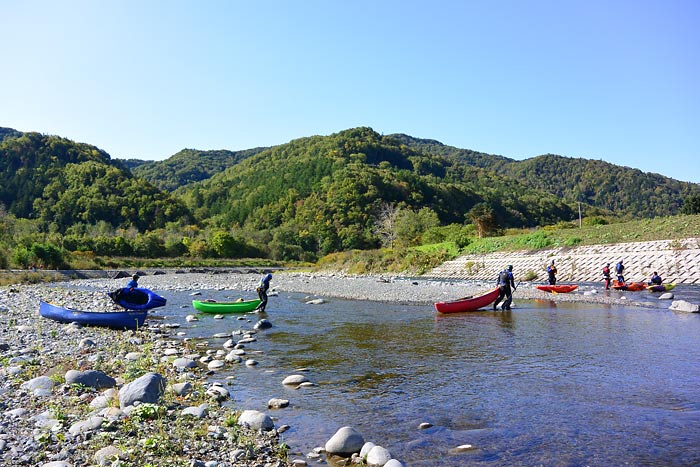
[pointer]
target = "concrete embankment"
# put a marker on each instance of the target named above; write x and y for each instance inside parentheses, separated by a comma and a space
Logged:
(675, 260)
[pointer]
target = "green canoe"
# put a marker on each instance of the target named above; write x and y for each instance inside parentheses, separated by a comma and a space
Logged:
(225, 307)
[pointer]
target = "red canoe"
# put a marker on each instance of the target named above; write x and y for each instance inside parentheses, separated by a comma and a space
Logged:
(557, 288)
(629, 286)
(468, 303)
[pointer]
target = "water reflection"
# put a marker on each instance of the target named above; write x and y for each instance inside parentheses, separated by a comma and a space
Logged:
(544, 384)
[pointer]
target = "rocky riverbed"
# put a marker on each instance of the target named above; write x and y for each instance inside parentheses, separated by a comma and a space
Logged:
(73, 396)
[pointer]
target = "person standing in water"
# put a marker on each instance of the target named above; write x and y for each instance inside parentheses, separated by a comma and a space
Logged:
(506, 286)
(262, 289)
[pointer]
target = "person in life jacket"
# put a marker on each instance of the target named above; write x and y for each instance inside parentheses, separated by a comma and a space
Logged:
(655, 279)
(262, 289)
(606, 275)
(506, 285)
(133, 283)
(620, 271)
(552, 273)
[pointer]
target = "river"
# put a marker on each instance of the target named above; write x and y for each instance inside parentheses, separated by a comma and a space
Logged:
(552, 384)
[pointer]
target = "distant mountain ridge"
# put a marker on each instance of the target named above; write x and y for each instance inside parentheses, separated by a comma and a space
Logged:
(235, 185)
(622, 190)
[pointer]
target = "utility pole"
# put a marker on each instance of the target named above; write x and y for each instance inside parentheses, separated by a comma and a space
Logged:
(579, 215)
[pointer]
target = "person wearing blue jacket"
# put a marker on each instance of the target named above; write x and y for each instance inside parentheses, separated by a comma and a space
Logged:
(133, 283)
(262, 289)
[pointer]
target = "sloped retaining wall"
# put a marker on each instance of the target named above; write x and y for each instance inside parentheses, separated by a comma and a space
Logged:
(675, 260)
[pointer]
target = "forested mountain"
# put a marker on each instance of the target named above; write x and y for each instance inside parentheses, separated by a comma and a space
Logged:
(187, 166)
(325, 191)
(625, 191)
(302, 199)
(9, 133)
(62, 183)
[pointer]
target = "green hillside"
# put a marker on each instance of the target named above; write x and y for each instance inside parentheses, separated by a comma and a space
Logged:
(629, 193)
(61, 183)
(324, 192)
(187, 166)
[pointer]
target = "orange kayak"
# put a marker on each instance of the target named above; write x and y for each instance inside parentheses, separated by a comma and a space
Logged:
(629, 286)
(557, 288)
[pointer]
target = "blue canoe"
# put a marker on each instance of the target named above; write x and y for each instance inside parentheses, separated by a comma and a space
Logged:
(114, 320)
(137, 298)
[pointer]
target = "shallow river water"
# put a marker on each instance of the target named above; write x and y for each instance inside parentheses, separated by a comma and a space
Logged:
(549, 384)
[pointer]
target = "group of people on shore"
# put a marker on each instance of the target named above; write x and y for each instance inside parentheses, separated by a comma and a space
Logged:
(506, 281)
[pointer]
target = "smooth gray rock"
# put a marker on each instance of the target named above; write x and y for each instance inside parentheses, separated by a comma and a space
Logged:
(256, 420)
(182, 389)
(263, 324)
(682, 305)
(183, 363)
(90, 378)
(84, 426)
(200, 411)
(666, 296)
(345, 442)
(366, 448)
(107, 455)
(39, 386)
(393, 463)
(378, 456)
(294, 380)
(148, 388)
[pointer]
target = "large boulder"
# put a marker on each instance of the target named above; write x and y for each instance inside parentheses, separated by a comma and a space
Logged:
(682, 305)
(90, 378)
(148, 388)
(345, 442)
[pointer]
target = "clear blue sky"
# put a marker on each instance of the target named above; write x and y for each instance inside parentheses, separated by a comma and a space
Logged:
(601, 79)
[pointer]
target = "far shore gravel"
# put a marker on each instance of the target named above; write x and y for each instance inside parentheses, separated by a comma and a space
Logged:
(32, 347)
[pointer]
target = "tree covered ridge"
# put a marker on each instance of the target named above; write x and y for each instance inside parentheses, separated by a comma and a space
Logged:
(188, 166)
(625, 191)
(61, 183)
(326, 190)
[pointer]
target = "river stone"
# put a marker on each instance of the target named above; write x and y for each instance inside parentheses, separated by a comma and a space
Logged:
(294, 380)
(16, 413)
(39, 386)
(378, 456)
(182, 389)
(84, 426)
(216, 365)
(682, 305)
(107, 454)
(220, 393)
(425, 425)
(263, 324)
(191, 318)
(90, 378)
(461, 448)
(233, 358)
(86, 343)
(345, 442)
(366, 448)
(148, 388)
(317, 301)
(133, 356)
(200, 411)
(57, 464)
(256, 420)
(393, 463)
(277, 403)
(666, 296)
(183, 363)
